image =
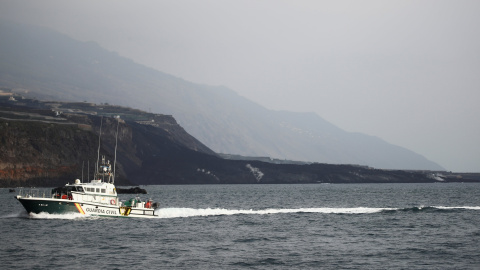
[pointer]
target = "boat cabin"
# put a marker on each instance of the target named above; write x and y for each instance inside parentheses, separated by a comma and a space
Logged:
(95, 191)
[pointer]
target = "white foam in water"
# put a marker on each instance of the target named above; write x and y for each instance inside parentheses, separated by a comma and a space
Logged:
(15, 215)
(44, 215)
(458, 207)
(191, 212)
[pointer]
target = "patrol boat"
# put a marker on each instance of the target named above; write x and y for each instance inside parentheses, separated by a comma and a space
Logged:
(97, 198)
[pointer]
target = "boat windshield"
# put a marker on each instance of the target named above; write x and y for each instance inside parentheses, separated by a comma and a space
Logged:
(67, 189)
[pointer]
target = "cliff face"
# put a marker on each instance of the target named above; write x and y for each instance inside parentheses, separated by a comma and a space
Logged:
(36, 153)
(50, 144)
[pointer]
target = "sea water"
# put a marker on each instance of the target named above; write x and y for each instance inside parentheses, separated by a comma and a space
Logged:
(351, 226)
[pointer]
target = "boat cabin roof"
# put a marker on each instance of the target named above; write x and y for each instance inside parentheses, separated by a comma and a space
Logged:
(95, 186)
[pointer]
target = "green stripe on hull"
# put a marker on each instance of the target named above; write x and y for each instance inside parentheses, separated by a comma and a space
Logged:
(51, 207)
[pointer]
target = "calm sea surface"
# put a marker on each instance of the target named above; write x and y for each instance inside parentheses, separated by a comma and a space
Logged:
(366, 226)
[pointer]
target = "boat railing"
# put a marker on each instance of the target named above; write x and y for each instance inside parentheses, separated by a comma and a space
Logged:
(34, 193)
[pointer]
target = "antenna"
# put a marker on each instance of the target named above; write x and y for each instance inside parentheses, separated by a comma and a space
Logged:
(98, 153)
(115, 160)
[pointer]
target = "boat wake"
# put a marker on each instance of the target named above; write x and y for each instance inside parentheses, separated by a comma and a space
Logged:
(191, 212)
(460, 207)
(44, 215)
(438, 208)
(15, 215)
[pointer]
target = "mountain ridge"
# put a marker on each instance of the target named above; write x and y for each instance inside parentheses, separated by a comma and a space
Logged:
(50, 65)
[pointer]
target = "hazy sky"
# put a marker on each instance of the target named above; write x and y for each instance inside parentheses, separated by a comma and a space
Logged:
(405, 71)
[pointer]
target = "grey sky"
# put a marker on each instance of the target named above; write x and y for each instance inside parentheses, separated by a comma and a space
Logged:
(405, 71)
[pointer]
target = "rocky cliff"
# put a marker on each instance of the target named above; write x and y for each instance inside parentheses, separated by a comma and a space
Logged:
(48, 65)
(51, 143)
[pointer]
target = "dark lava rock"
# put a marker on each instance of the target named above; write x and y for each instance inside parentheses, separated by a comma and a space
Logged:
(134, 190)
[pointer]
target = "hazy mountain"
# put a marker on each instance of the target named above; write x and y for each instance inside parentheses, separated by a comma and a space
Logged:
(50, 65)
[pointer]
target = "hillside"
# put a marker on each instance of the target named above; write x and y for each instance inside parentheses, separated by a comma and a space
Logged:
(40, 63)
(52, 143)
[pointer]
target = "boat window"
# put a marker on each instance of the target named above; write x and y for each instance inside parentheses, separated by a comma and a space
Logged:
(97, 190)
(103, 190)
(79, 189)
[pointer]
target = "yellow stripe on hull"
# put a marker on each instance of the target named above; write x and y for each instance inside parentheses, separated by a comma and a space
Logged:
(79, 208)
